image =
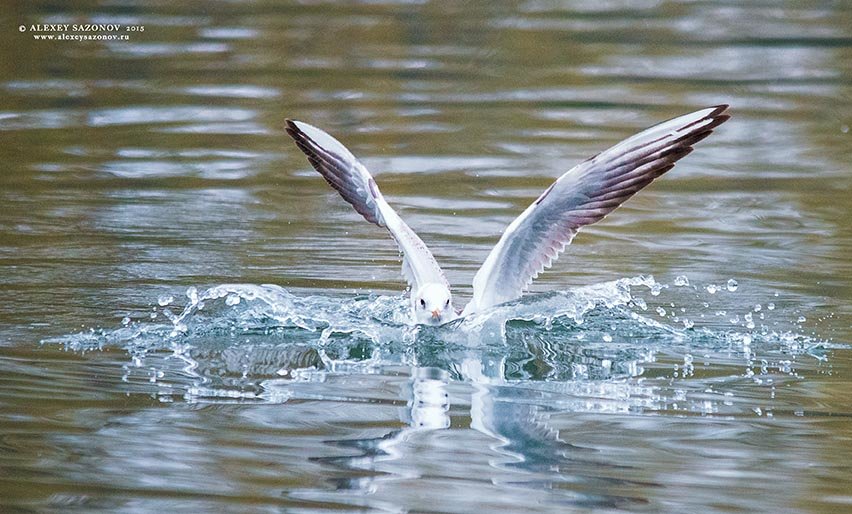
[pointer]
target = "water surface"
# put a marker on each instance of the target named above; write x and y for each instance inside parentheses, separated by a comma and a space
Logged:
(193, 321)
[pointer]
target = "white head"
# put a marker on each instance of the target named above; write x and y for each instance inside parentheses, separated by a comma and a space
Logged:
(433, 305)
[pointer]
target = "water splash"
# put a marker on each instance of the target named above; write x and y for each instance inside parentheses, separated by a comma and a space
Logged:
(240, 342)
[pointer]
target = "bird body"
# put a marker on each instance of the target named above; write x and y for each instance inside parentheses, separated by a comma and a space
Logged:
(534, 240)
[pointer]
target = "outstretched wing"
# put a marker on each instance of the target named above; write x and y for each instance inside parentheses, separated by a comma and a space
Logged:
(351, 179)
(582, 196)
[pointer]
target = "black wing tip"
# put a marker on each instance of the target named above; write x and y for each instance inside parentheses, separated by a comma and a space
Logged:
(721, 119)
(718, 117)
(719, 114)
(293, 130)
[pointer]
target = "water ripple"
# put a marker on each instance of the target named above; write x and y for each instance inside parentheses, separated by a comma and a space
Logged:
(598, 347)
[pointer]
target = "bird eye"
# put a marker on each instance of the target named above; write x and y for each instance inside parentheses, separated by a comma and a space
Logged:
(423, 303)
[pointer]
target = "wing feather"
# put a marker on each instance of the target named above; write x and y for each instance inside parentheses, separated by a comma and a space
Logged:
(350, 178)
(582, 196)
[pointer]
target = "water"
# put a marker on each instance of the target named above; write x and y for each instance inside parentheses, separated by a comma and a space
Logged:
(193, 321)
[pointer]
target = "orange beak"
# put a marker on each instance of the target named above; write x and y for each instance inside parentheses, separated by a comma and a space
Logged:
(436, 314)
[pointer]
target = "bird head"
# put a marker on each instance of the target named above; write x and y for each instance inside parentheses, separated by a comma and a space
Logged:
(433, 305)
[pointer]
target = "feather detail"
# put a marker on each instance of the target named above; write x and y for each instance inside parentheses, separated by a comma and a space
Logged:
(350, 178)
(582, 196)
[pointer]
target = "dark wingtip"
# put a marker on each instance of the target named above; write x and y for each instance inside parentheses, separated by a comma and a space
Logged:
(292, 129)
(718, 117)
(719, 112)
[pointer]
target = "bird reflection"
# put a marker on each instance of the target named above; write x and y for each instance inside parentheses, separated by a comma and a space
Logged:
(526, 451)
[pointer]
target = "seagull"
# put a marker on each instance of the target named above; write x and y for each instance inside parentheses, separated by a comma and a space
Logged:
(534, 240)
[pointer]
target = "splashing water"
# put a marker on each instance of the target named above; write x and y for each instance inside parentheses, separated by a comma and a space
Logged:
(254, 342)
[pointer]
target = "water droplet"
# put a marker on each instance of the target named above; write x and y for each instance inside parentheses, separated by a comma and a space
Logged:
(688, 370)
(802, 319)
(844, 129)
(180, 328)
(165, 299)
(749, 321)
(687, 324)
(607, 338)
(192, 294)
(770, 306)
(232, 299)
(661, 311)
(681, 281)
(640, 302)
(655, 289)
(732, 285)
(125, 321)
(712, 288)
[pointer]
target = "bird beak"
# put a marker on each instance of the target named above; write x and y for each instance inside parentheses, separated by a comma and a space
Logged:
(436, 314)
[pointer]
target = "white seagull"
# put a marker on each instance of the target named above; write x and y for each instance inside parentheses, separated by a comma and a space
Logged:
(531, 243)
